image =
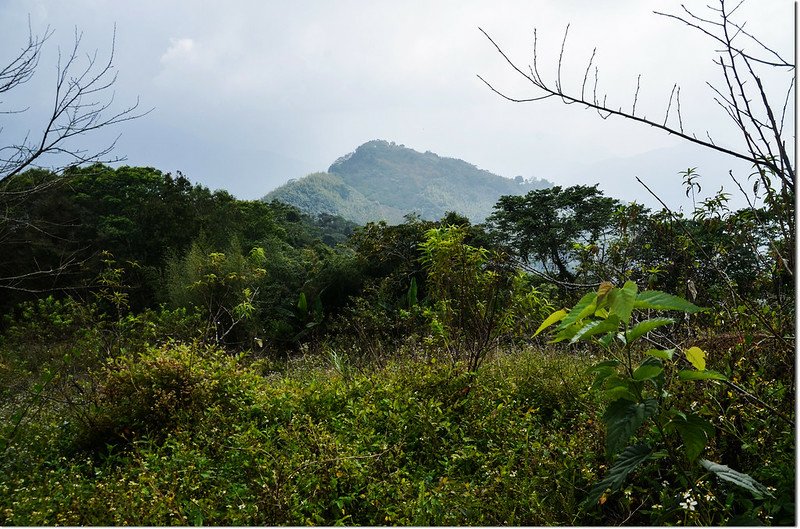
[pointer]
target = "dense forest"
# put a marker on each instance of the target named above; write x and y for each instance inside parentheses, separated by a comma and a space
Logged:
(182, 356)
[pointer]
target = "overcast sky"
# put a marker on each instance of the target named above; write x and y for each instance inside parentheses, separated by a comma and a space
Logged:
(249, 94)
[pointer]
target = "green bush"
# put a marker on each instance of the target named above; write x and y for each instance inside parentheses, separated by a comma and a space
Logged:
(188, 436)
(149, 394)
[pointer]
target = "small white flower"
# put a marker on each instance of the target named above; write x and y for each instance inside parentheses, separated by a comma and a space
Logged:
(689, 502)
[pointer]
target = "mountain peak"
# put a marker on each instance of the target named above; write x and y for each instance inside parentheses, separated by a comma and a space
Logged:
(383, 180)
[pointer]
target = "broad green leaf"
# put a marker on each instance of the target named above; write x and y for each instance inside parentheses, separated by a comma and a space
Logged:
(658, 379)
(601, 376)
(697, 357)
(694, 431)
(616, 387)
(616, 391)
(737, 478)
(551, 319)
(603, 370)
(663, 354)
(622, 418)
(606, 340)
(582, 308)
(596, 327)
(567, 333)
(647, 371)
(602, 365)
(628, 460)
(646, 326)
(701, 375)
(655, 299)
(621, 301)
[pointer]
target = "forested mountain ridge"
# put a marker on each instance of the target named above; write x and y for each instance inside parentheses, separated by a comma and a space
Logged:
(382, 180)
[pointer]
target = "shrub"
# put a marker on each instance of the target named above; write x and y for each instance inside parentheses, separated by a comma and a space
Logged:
(149, 394)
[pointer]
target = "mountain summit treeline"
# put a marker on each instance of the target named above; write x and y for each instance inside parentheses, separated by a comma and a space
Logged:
(382, 180)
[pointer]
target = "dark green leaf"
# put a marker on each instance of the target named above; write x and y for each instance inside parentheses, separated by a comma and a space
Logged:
(411, 295)
(647, 371)
(617, 389)
(600, 378)
(606, 340)
(694, 431)
(737, 478)
(622, 418)
(603, 370)
(603, 364)
(627, 461)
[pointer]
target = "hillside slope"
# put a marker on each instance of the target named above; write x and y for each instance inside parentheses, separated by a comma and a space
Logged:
(385, 181)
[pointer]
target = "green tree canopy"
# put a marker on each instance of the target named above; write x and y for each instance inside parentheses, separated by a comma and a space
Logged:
(543, 227)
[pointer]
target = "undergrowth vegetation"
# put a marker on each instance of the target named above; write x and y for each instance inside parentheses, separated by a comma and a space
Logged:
(426, 373)
(183, 433)
(171, 429)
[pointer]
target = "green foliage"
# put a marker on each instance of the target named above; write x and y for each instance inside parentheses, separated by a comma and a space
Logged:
(186, 434)
(628, 460)
(546, 227)
(468, 291)
(385, 181)
(223, 286)
(148, 394)
(528, 304)
(329, 194)
(141, 215)
(645, 400)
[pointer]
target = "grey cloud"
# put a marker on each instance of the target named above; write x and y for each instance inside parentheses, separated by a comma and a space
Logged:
(249, 94)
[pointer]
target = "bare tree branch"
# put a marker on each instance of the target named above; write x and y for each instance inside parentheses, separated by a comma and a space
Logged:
(76, 110)
(760, 131)
(83, 104)
(767, 324)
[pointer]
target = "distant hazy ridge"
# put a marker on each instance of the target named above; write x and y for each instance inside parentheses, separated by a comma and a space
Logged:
(385, 181)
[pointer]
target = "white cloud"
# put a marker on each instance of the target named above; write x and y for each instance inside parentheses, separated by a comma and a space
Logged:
(180, 50)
